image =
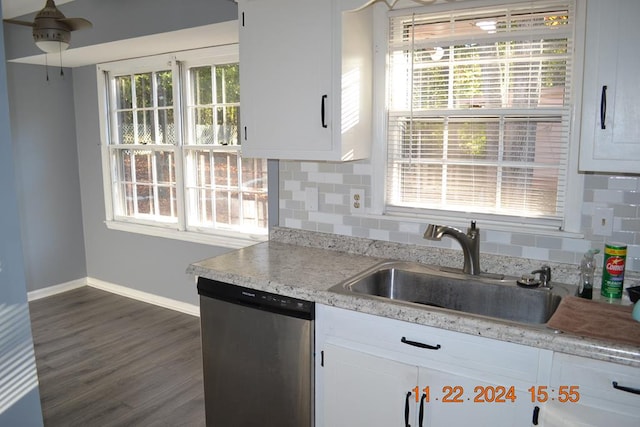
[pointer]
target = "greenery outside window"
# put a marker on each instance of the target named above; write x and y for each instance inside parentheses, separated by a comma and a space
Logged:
(479, 110)
(173, 158)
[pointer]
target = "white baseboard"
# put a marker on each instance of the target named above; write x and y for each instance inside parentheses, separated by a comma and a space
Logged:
(180, 306)
(171, 304)
(56, 289)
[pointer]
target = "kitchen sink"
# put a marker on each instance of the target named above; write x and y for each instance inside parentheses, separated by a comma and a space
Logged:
(486, 295)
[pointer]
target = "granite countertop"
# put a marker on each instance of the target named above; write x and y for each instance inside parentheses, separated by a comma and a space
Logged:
(307, 268)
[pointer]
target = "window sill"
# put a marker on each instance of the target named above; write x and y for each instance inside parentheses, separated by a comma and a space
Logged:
(227, 239)
(486, 224)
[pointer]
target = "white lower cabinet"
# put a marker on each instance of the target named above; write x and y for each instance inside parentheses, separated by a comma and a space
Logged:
(382, 372)
(609, 394)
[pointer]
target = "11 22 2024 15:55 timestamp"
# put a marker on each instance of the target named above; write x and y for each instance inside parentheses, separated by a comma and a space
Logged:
(497, 394)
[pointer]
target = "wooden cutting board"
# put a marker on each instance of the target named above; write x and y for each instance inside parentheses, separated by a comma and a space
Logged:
(594, 319)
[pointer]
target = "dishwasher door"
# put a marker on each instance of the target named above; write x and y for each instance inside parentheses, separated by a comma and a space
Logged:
(257, 360)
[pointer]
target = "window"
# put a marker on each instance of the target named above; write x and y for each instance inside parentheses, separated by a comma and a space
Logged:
(479, 111)
(172, 158)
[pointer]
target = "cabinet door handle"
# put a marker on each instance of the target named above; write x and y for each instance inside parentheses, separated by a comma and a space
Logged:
(322, 111)
(421, 414)
(623, 388)
(603, 107)
(419, 344)
(406, 410)
(536, 413)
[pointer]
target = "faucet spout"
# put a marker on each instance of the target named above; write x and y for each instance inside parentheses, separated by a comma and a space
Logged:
(470, 243)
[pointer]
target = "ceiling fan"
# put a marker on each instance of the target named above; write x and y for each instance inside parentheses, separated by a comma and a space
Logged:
(51, 29)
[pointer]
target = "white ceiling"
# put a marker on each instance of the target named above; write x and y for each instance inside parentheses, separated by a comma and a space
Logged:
(13, 8)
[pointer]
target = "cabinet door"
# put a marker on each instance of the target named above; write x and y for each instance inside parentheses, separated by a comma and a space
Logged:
(285, 76)
(365, 390)
(599, 402)
(610, 139)
(462, 401)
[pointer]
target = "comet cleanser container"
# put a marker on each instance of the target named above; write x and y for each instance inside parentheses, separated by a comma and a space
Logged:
(615, 255)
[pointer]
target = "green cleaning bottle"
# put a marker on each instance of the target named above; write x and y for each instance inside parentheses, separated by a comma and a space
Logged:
(587, 269)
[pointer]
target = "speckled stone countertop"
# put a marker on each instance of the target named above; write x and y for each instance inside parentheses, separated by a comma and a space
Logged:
(305, 265)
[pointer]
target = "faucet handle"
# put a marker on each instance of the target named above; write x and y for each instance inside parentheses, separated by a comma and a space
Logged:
(545, 275)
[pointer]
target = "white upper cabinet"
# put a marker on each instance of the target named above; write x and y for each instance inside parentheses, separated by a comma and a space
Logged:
(610, 137)
(305, 79)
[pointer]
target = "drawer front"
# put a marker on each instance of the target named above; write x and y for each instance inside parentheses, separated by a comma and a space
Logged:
(449, 351)
(595, 378)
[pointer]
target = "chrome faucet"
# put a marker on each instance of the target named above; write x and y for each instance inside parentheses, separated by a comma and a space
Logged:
(470, 243)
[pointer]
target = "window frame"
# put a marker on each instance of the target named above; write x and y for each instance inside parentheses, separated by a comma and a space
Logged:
(178, 62)
(574, 181)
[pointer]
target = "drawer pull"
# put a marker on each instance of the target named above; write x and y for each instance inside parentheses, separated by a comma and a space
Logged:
(623, 388)
(419, 344)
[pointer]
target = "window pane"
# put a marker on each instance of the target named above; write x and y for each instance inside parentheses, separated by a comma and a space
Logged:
(164, 84)
(214, 119)
(201, 89)
(123, 92)
(167, 128)
(219, 197)
(125, 128)
(227, 84)
(143, 91)
(147, 184)
(225, 169)
(203, 122)
(228, 124)
(146, 127)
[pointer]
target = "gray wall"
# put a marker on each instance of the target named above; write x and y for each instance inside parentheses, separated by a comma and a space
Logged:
(64, 232)
(20, 403)
(44, 140)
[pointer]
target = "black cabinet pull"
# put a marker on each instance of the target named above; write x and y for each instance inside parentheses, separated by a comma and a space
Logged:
(406, 410)
(421, 414)
(603, 107)
(322, 111)
(536, 412)
(623, 388)
(419, 344)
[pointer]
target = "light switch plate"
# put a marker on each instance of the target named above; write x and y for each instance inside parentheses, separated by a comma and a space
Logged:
(602, 221)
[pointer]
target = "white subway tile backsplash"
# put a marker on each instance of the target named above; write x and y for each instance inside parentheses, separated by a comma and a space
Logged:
(608, 196)
(626, 183)
(334, 182)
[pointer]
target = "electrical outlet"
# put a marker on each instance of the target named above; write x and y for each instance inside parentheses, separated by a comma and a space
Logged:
(356, 200)
(602, 221)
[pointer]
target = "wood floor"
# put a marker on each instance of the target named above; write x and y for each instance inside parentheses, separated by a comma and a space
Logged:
(107, 360)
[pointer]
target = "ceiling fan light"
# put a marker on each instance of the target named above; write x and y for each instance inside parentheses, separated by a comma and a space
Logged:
(49, 46)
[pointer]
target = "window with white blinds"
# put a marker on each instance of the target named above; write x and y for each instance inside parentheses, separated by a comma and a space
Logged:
(479, 110)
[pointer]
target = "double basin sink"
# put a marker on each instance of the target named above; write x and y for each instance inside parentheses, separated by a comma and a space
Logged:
(424, 286)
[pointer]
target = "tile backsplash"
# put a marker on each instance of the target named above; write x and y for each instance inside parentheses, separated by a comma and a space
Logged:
(334, 182)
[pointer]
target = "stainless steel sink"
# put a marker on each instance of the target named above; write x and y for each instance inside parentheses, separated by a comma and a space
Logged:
(420, 285)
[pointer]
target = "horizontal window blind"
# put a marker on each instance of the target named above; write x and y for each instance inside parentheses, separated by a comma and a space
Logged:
(479, 110)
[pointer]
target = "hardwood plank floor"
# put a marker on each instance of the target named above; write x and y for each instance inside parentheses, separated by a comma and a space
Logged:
(108, 360)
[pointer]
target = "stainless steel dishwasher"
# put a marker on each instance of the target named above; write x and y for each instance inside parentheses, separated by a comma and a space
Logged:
(257, 356)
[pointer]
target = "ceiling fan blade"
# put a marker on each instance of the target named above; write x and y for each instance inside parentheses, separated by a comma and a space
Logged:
(17, 22)
(76, 23)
